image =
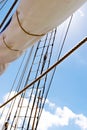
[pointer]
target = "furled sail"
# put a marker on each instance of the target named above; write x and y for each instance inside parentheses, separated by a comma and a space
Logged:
(32, 20)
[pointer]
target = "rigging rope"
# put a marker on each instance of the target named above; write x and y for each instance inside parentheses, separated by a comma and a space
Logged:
(8, 13)
(44, 73)
(59, 56)
(1, 2)
(33, 85)
(13, 84)
(38, 84)
(20, 82)
(17, 89)
(20, 102)
(41, 105)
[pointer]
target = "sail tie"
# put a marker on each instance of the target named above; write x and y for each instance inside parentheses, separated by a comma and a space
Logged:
(25, 31)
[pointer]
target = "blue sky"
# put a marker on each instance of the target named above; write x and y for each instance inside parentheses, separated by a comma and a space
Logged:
(66, 105)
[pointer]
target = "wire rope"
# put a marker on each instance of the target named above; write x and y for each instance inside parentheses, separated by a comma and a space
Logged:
(41, 106)
(35, 75)
(23, 94)
(7, 118)
(32, 87)
(9, 11)
(3, 4)
(21, 98)
(20, 82)
(13, 83)
(38, 84)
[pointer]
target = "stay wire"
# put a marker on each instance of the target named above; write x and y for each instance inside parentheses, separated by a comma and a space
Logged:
(35, 77)
(7, 118)
(44, 86)
(23, 94)
(20, 82)
(8, 13)
(42, 52)
(3, 4)
(35, 115)
(44, 73)
(27, 81)
(13, 84)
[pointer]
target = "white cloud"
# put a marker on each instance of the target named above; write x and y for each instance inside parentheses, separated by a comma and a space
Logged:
(50, 104)
(81, 121)
(60, 117)
(47, 120)
(64, 115)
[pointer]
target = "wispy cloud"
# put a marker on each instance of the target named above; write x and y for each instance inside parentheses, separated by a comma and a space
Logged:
(58, 116)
